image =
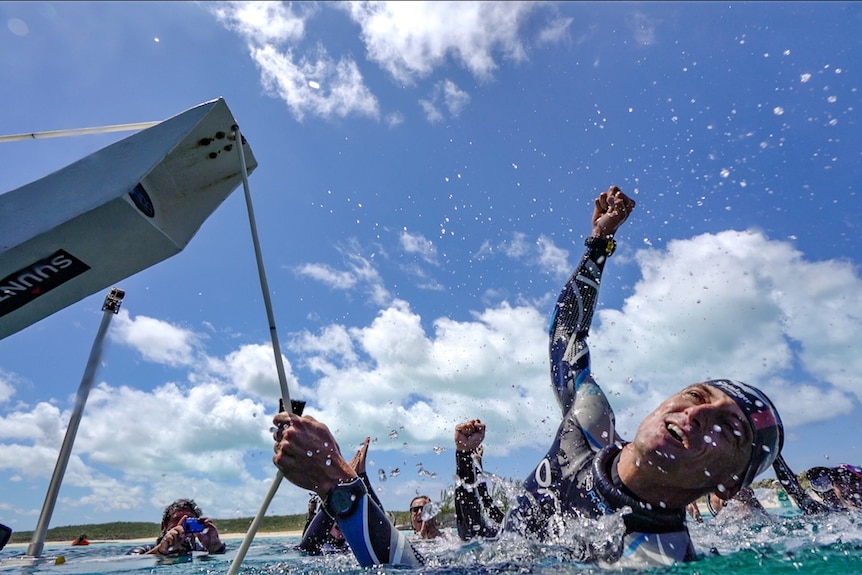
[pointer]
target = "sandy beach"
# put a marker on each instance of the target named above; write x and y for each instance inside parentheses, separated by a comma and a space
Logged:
(132, 542)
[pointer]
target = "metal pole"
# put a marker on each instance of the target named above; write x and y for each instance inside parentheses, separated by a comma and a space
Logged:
(282, 379)
(264, 286)
(110, 308)
(78, 131)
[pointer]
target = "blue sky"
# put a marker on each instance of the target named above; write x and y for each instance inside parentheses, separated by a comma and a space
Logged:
(425, 182)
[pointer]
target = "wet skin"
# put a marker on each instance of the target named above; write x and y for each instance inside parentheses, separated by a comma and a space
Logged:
(694, 442)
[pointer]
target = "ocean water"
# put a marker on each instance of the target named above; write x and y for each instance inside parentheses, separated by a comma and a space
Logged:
(736, 542)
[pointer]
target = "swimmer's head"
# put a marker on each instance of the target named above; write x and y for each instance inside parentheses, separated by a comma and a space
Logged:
(764, 421)
(187, 506)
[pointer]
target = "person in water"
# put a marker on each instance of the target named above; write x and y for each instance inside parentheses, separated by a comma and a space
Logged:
(839, 487)
(81, 540)
(423, 528)
(746, 499)
(712, 436)
(179, 537)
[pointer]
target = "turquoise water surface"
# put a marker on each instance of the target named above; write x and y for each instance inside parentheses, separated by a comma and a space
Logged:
(734, 542)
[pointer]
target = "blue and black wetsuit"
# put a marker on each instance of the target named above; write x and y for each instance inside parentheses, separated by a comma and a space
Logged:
(577, 477)
(317, 538)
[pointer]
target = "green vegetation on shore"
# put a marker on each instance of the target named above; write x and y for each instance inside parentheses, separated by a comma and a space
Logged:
(123, 530)
(139, 530)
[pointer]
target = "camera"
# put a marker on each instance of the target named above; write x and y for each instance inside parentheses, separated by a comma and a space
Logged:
(193, 525)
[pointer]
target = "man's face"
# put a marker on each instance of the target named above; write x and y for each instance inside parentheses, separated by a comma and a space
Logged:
(177, 517)
(697, 438)
(416, 508)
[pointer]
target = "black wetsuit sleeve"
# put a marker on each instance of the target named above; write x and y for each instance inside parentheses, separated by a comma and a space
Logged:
(791, 485)
(367, 482)
(475, 513)
(317, 533)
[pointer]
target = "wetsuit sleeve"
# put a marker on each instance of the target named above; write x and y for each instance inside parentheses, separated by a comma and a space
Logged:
(571, 377)
(316, 533)
(475, 513)
(367, 482)
(373, 539)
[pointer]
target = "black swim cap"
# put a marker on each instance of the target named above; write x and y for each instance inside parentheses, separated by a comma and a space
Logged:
(764, 421)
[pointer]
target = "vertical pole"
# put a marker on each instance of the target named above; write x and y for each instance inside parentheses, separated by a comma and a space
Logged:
(264, 286)
(110, 308)
(282, 379)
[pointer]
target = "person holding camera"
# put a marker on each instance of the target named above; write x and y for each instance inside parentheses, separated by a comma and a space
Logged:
(184, 530)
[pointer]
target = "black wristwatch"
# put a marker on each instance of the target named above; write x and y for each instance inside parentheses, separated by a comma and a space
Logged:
(344, 497)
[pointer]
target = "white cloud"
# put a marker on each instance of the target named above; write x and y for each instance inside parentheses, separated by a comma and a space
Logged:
(432, 113)
(419, 244)
(7, 390)
(393, 375)
(156, 340)
(342, 91)
(410, 39)
(251, 369)
(731, 304)
(552, 258)
(326, 274)
(41, 425)
(360, 272)
(556, 30)
(455, 98)
(265, 22)
(518, 247)
(312, 83)
(740, 306)
(643, 28)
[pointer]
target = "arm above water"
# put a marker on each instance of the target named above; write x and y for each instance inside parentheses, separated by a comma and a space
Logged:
(371, 536)
(571, 377)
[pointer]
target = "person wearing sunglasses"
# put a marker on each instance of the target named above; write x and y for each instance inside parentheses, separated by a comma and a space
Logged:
(424, 524)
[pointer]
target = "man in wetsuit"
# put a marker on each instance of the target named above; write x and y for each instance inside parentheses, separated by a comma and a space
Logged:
(712, 436)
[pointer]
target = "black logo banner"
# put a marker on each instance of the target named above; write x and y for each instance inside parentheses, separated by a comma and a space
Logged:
(28, 283)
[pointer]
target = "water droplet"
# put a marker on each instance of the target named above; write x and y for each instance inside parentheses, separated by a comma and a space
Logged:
(721, 487)
(328, 461)
(393, 434)
(309, 453)
(381, 476)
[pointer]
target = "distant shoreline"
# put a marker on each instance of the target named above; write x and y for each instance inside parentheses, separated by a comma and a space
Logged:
(138, 541)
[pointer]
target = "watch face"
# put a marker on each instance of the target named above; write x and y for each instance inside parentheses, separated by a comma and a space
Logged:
(341, 501)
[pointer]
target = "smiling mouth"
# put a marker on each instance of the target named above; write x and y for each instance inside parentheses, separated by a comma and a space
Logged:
(677, 433)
